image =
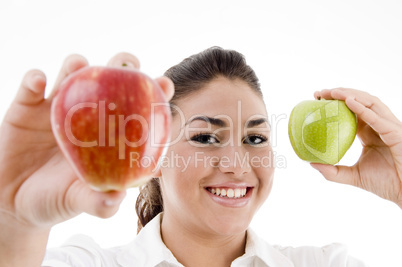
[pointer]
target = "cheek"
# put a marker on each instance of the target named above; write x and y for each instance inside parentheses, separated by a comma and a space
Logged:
(263, 159)
(188, 164)
(180, 178)
(263, 164)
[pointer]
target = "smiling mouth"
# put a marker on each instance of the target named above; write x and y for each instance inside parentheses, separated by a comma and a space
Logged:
(231, 193)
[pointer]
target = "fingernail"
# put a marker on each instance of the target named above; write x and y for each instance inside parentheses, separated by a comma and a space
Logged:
(33, 82)
(111, 203)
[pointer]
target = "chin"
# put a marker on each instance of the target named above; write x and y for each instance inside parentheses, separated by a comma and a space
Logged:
(230, 225)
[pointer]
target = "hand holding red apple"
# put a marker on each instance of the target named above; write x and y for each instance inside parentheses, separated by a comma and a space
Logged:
(379, 168)
(38, 187)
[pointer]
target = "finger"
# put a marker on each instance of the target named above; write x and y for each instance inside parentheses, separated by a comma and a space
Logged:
(370, 101)
(100, 204)
(339, 174)
(71, 64)
(367, 135)
(389, 131)
(323, 94)
(167, 86)
(124, 60)
(32, 88)
(108, 203)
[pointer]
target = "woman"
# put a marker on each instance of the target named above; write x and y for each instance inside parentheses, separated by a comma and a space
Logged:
(208, 198)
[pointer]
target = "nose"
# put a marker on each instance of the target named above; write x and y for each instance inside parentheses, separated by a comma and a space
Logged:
(235, 161)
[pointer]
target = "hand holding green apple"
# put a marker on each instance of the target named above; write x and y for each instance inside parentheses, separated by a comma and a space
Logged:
(379, 168)
(321, 131)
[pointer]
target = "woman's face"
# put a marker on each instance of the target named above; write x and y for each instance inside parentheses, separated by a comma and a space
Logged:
(219, 167)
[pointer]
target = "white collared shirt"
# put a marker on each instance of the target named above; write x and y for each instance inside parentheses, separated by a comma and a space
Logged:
(148, 250)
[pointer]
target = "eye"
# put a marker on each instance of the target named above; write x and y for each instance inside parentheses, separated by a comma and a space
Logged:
(205, 139)
(255, 139)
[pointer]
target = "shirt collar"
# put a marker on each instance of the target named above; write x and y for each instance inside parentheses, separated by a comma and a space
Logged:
(258, 249)
(148, 249)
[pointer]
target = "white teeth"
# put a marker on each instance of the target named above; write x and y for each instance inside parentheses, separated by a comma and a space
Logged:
(223, 192)
(237, 192)
(228, 192)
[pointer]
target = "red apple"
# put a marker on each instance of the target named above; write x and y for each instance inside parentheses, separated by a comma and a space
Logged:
(112, 124)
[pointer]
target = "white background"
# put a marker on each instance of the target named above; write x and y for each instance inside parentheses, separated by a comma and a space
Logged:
(296, 47)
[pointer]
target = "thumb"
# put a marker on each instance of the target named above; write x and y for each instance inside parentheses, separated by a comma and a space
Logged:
(339, 174)
(100, 204)
(32, 88)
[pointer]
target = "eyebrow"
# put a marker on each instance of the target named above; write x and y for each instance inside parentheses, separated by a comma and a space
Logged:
(256, 122)
(222, 123)
(213, 121)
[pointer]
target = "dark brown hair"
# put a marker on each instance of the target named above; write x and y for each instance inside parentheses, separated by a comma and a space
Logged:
(188, 77)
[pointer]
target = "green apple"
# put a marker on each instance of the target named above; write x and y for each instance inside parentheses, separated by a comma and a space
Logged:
(321, 131)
